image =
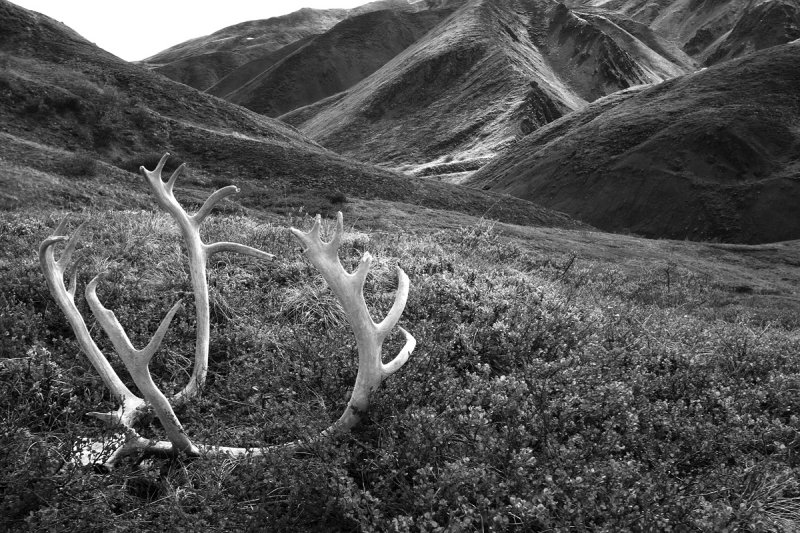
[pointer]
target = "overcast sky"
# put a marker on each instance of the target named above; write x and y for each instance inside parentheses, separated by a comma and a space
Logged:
(137, 29)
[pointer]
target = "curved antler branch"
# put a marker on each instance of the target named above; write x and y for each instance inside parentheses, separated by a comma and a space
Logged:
(235, 247)
(137, 362)
(131, 405)
(212, 201)
(349, 290)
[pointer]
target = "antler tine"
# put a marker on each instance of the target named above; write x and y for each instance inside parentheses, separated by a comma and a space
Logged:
(62, 226)
(400, 299)
(66, 255)
(360, 275)
(174, 177)
(211, 202)
(235, 247)
(47, 253)
(336, 240)
(137, 361)
(160, 165)
(400, 359)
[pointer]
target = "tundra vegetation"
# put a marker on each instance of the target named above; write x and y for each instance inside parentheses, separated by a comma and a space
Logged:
(546, 391)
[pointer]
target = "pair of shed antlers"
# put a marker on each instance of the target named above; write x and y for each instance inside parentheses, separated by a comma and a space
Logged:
(347, 288)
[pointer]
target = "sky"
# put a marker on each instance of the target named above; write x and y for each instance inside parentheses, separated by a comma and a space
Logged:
(137, 29)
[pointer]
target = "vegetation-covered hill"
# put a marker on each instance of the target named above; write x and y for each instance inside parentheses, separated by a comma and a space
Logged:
(709, 31)
(327, 64)
(712, 155)
(204, 61)
(762, 25)
(548, 390)
(60, 94)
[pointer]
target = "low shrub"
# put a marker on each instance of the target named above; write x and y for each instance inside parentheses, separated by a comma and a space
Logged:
(78, 165)
(574, 396)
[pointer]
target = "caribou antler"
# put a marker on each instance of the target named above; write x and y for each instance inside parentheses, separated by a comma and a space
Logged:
(131, 406)
(199, 253)
(349, 290)
(137, 362)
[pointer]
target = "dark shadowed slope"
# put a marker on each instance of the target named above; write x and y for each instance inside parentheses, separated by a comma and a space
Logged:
(599, 55)
(489, 73)
(711, 155)
(765, 24)
(692, 24)
(204, 61)
(329, 63)
(710, 30)
(60, 94)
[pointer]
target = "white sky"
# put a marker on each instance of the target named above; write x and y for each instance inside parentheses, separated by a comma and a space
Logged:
(136, 29)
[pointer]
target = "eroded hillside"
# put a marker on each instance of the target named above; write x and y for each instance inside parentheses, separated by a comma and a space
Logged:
(712, 155)
(488, 74)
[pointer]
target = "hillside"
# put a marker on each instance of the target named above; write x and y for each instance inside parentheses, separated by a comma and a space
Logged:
(204, 61)
(60, 94)
(711, 155)
(489, 73)
(762, 25)
(327, 64)
(709, 31)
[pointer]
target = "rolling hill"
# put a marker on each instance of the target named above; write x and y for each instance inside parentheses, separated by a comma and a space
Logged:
(61, 95)
(711, 155)
(327, 64)
(204, 61)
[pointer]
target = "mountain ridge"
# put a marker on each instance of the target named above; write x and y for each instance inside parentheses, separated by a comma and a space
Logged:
(731, 171)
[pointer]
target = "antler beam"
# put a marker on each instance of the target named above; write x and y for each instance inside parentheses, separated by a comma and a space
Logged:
(199, 253)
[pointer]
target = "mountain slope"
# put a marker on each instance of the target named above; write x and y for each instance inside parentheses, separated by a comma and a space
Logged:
(765, 24)
(692, 24)
(204, 61)
(711, 155)
(491, 72)
(709, 30)
(327, 64)
(59, 94)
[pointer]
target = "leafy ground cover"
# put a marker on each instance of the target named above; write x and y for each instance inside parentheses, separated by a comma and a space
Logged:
(548, 391)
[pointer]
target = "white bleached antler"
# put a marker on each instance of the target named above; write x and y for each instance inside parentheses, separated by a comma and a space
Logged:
(349, 290)
(131, 406)
(199, 253)
(137, 362)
